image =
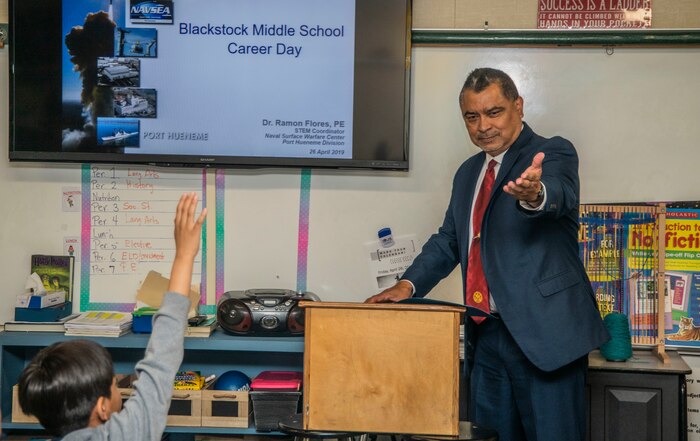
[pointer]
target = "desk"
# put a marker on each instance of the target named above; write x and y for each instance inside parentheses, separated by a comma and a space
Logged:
(638, 399)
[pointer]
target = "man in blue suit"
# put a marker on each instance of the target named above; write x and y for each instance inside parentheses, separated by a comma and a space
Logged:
(528, 362)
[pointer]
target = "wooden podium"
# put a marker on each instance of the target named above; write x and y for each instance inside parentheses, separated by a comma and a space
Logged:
(381, 368)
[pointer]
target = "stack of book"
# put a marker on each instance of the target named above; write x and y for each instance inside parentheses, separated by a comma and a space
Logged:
(54, 326)
(100, 324)
(203, 329)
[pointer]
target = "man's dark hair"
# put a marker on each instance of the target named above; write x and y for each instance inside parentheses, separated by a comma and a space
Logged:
(481, 78)
(61, 385)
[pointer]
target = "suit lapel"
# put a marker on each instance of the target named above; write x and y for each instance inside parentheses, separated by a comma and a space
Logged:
(511, 158)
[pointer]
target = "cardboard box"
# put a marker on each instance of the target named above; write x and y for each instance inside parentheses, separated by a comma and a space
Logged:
(50, 314)
(381, 368)
(185, 408)
(185, 405)
(221, 408)
(17, 415)
(153, 288)
(51, 298)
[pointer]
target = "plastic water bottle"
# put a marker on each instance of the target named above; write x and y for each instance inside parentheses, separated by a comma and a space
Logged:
(385, 237)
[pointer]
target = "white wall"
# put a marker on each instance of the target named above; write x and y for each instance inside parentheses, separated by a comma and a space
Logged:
(633, 117)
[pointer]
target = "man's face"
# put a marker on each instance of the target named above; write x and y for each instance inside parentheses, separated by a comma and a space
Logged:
(493, 121)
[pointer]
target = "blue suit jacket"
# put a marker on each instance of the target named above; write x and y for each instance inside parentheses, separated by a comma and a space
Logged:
(531, 258)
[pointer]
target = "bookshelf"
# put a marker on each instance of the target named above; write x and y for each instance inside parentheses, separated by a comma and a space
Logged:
(214, 355)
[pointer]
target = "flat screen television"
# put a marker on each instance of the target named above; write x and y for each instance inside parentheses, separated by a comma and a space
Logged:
(219, 83)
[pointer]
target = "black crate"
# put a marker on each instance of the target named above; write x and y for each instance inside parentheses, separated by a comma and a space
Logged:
(270, 407)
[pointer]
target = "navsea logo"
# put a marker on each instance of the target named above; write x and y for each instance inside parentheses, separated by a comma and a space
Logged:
(153, 11)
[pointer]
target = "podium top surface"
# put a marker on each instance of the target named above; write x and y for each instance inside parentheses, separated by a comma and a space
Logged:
(383, 306)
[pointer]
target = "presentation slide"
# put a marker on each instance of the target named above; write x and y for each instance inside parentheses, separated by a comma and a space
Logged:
(210, 77)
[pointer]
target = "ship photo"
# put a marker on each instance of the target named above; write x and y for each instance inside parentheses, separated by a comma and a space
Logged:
(134, 102)
(121, 132)
(117, 135)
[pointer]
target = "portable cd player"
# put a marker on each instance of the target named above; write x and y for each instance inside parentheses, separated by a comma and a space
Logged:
(262, 312)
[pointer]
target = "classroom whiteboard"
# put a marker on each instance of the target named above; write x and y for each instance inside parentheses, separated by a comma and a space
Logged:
(127, 230)
(632, 115)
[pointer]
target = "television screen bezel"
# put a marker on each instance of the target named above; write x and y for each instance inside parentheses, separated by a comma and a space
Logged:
(207, 161)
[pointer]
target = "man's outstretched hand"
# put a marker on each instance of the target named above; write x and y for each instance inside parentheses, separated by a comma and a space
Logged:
(527, 187)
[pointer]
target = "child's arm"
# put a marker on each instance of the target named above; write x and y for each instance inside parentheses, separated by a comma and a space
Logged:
(188, 233)
(145, 413)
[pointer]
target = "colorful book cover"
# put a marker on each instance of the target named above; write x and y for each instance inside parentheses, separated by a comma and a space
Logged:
(56, 272)
(643, 310)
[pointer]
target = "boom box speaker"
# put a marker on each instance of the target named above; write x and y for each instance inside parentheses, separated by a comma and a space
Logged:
(262, 312)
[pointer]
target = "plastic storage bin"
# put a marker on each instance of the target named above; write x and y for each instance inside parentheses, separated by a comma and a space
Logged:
(275, 395)
(277, 381)
(269, 407)
(142, 320)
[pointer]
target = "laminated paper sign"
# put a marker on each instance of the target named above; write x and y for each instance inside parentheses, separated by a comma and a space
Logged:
(387, 264)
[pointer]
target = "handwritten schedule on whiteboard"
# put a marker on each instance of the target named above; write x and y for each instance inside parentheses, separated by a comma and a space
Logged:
(127, 230)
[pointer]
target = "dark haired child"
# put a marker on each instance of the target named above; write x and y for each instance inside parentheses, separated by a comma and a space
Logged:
(70, 386)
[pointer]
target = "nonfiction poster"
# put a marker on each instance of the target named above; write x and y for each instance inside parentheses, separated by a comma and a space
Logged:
(271, 78)
(683, 275)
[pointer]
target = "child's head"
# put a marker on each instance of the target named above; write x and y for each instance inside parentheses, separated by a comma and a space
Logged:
(69, 386)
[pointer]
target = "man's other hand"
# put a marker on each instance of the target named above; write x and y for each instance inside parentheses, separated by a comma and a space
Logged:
(402, 290)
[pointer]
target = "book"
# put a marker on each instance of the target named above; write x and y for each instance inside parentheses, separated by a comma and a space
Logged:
(100, 323)
(56, 326)
(56, 272)
(470, 310)
(204, 329)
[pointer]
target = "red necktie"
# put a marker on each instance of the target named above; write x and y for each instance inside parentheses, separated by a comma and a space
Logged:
(477, 289)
